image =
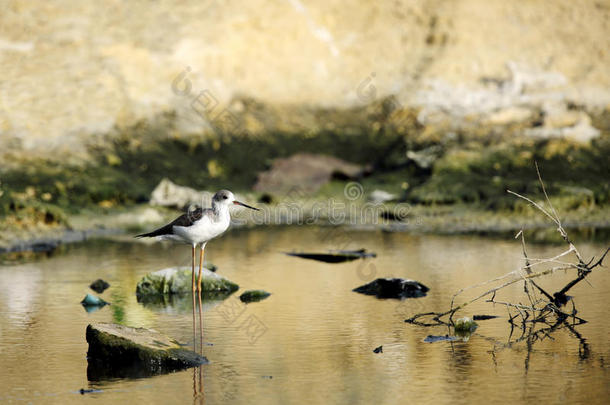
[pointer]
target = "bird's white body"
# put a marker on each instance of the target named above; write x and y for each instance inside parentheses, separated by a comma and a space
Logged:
(211, 225)
(199, 226)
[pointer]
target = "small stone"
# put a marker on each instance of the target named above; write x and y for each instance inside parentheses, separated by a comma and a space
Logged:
(169, 194)
(425, 158)
(254, 296)
(99, 286)
(380, 196)
(93, 301)
(378, 349)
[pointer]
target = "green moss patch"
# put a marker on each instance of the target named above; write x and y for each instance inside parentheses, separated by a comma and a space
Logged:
(575, 174)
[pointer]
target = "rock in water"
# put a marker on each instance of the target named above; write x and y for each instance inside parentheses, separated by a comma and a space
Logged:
(393, 288)
(178, 281)
(254, 296)
(337, 256)
(465, 325)
(117, 351)
(93, 301)
(99, 286)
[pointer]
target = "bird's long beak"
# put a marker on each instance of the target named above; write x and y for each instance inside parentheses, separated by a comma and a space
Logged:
(245, 205)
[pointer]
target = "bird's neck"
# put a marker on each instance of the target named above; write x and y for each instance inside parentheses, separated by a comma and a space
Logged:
(220, 209)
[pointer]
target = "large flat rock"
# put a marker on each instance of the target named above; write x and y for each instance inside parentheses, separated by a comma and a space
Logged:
(117, 351)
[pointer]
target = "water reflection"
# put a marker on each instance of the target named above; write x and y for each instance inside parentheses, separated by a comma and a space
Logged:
(317, 335)
(181, 303)
(198, 393)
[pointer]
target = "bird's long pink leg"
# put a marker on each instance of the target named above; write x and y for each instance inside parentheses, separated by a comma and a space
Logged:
(199, 285)
(193, 266)
(194, 304)
(199, 292)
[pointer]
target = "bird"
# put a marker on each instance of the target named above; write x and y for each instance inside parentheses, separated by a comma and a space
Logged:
(197, 227)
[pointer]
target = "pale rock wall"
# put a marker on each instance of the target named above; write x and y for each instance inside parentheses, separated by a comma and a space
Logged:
(72, 70)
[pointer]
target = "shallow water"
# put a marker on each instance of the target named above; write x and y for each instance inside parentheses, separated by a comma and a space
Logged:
(312, 340)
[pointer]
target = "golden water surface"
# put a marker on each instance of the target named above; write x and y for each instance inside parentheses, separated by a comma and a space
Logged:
(312, 340)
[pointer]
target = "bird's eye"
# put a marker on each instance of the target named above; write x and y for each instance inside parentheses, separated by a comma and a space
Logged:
(224, 197)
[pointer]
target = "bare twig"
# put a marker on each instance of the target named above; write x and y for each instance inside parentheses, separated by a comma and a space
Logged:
(540, 309)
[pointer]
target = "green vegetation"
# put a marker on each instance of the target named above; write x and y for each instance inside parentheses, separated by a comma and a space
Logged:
(575, 173)
(124, 169)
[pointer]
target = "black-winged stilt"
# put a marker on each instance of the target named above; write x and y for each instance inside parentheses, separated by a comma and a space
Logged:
(199, 226)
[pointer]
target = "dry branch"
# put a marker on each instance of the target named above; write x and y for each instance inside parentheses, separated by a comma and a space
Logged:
(540, 309)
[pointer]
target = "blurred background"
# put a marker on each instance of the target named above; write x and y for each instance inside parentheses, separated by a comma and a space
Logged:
(116, 115)
(436, 103)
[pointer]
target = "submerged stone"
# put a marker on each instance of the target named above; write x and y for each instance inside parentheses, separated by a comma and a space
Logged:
(178, 281)
(445, 338)
(254, 296)
(393, 288)
(117, 351)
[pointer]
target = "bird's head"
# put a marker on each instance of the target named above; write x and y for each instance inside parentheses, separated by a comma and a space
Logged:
(226, 198)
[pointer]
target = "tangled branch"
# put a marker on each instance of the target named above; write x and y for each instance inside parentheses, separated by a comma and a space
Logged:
(542, 305)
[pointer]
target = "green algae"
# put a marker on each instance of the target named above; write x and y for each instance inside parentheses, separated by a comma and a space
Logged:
(179, 281)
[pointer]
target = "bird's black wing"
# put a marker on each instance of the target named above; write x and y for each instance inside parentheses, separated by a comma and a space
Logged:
(186, 219)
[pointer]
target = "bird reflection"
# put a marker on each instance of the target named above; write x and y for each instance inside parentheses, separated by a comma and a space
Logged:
(198, 393)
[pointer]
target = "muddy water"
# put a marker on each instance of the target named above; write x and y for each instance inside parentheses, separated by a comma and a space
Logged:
(313, 339)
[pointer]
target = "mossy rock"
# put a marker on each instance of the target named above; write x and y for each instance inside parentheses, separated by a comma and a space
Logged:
(465, 325)
(254, 296)
(179, 281)
(117, 351)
